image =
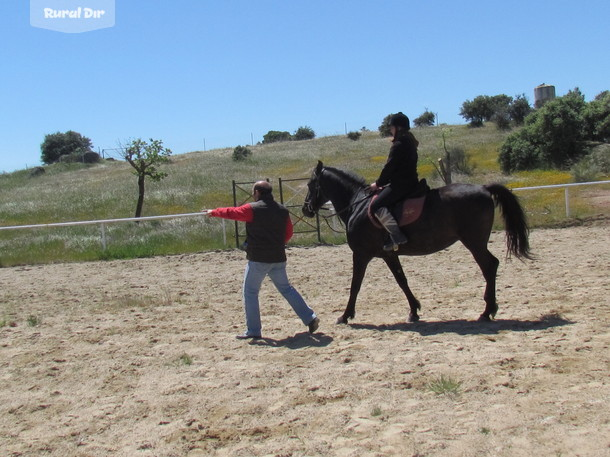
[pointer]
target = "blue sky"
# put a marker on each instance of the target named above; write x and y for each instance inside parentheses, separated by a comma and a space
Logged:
(226, 71)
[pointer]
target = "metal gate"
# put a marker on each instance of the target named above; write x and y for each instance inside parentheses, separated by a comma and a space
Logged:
(292, 193)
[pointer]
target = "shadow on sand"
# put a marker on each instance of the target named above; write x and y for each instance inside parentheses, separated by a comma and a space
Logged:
(465, 327)
(298, 341)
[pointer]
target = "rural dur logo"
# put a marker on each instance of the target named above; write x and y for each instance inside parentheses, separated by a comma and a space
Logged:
(72, 16)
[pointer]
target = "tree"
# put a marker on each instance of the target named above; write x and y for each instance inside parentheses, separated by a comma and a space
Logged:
(304, 133)
(478, 110)
(553, 136)
(56, 145)
(501, 109)
(273, 136)
(384, 128)
(597, 118)
(145, 158)
(519, 109)
(427, 118)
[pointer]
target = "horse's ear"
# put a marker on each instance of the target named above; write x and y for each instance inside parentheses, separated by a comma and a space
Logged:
(319, 167)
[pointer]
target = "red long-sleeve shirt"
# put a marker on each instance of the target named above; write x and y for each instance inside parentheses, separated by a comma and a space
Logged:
(244, 213)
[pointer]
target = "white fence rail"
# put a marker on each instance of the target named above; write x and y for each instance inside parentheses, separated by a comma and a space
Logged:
(567, 190)
(103, 222)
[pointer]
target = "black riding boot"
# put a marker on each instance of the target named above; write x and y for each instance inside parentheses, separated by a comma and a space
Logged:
(384, 216)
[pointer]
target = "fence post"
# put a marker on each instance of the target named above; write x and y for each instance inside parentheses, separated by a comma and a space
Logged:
(103, 226)
(224, 232)
(567, 193)
(235, 223)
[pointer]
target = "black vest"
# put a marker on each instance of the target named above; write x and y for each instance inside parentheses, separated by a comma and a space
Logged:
(266, 234)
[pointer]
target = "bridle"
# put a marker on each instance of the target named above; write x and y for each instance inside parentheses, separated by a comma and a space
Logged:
(318, 195)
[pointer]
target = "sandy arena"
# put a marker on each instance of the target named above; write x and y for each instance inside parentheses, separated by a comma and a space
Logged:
(138, 357)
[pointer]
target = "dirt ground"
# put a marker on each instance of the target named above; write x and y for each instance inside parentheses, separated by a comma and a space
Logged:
(138, 358)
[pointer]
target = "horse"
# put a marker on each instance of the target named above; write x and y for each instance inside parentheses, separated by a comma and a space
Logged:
(463, 212)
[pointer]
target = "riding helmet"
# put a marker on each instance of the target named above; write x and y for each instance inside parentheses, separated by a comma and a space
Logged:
(400, 120)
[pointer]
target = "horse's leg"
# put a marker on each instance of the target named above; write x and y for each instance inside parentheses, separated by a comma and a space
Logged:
(395, 267)
(489, 267)
(359, 264)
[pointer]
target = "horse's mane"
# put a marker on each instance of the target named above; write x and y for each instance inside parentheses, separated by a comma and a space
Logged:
(349, 178)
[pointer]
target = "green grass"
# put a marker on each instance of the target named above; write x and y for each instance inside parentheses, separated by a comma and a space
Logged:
(185, 359)
(33, 321)
(196, 180)
(445, 386)
(376, 411)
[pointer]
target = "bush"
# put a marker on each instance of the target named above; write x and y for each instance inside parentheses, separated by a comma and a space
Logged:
(518, 153)
(593, 166)
(91, 157)
(274, 136)
(554, 136)
(502, 119)
(78, 157)
(460, 161)
(304, 133)
(56, 145)
(241, 153)
(354, 136)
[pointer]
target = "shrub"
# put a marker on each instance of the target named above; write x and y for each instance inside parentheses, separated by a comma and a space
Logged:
(91, 157)
(37, 171)
(304, 133)
(502, 119)
(79, 157)
(273, 136)
(354, 136)
(518, 153)
(460, 161)
(593, 166)
(241, 153)
(553, 136)
(60, 144)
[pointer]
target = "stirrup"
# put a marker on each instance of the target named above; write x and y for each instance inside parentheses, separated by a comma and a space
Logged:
(393, 246)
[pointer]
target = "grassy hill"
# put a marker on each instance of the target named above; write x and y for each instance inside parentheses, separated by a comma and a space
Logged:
(73, 192)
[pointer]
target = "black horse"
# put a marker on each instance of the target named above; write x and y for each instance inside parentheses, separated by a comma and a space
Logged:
(455, 212)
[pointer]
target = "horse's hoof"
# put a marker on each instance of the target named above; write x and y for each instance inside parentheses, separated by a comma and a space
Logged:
(484, 318)
(342, 320)
(413, 318)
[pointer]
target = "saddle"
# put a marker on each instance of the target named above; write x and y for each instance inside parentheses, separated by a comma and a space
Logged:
(408, 210)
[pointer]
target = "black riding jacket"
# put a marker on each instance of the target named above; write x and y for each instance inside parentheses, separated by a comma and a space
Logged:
(400, 170)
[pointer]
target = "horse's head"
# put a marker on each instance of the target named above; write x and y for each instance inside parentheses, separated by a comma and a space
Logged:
(314, 199)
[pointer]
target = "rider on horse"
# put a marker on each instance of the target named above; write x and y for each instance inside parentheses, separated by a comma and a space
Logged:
(397, 180)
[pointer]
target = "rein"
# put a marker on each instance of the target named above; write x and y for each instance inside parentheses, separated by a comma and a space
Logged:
(348, 207)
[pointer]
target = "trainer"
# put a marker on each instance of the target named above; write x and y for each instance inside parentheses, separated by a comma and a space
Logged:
(268, 229)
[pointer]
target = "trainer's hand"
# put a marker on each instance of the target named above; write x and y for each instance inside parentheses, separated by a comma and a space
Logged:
(373, 187)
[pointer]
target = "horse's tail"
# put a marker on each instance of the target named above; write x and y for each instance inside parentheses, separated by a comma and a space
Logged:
(517, 231)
